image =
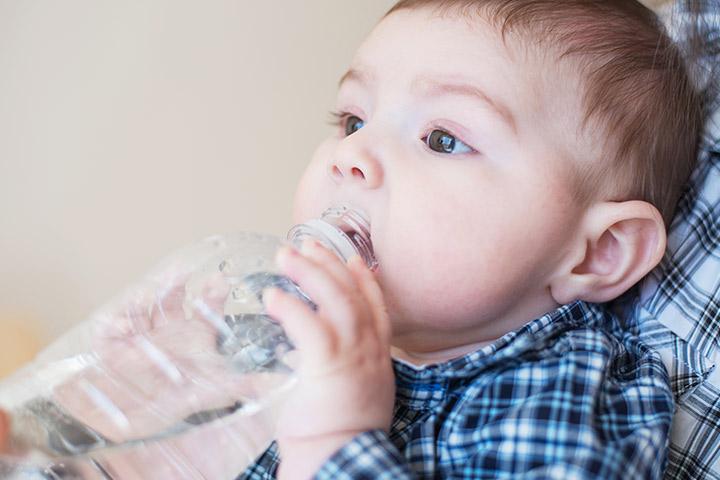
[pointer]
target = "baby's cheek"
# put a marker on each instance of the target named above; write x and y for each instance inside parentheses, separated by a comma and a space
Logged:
(435, 290)
(409, 287)
(313, 192)
(302, 208)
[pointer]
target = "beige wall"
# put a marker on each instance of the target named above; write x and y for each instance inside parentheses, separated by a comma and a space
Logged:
(129, 128)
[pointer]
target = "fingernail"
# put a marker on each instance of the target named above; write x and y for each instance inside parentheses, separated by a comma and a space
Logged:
(284, 253)
(309, 244)
(269, 294)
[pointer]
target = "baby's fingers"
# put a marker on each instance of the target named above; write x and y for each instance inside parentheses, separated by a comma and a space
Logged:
(332, 264)
(307, 330)
(338, 301)
(373, 294)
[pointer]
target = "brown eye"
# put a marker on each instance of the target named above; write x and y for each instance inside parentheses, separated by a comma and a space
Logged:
(442, 142)
(353, 124)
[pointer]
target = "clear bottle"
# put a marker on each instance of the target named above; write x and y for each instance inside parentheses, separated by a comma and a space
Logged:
(188, 348)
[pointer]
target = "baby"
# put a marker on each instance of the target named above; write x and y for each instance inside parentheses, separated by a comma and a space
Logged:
(519, 161)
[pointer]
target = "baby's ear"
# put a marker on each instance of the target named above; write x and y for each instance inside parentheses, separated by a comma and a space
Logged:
(618, 243)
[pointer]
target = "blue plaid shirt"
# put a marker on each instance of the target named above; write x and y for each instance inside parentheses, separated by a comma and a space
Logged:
(569, 395)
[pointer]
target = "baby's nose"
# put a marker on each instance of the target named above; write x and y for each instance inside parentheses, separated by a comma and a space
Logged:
(362, 169)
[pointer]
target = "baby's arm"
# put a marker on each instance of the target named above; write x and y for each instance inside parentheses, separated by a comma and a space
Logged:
(346, 382)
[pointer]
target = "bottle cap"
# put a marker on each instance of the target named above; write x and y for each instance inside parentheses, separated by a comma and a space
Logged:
(341, 229)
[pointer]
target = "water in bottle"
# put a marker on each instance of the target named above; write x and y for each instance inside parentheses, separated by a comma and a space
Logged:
(188, 350)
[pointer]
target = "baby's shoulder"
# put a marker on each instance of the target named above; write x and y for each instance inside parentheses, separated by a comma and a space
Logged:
(587, 352)
(597, 341)
(585, 387)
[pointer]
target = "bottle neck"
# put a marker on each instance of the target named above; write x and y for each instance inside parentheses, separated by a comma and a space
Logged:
(342, 230)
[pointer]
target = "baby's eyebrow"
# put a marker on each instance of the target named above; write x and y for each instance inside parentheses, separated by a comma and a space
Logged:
(431, 86)
(360, 76)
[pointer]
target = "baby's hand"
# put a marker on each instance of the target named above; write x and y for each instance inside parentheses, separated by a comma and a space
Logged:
(346, 382)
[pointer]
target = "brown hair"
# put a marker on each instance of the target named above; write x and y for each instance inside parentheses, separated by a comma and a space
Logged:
(637, 90)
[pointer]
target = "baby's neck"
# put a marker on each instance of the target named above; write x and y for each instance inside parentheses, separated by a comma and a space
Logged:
(438, 356)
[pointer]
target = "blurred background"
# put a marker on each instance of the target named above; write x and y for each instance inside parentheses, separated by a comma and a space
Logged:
(129, 129)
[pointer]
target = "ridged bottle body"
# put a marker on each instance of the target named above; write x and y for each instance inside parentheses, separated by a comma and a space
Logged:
(82, 401)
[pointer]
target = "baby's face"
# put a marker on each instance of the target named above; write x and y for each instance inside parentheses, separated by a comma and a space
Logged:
(451, 145)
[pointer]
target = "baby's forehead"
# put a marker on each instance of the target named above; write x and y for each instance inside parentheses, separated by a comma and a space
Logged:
(410, 47)
(412, 44)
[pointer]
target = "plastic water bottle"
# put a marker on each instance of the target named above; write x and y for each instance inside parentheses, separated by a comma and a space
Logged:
(187, 353)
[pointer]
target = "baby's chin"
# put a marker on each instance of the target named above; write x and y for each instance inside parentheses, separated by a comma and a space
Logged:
(417, 352)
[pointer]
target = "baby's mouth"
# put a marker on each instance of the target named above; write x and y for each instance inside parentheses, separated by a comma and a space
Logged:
(343, 229)
(348, 210)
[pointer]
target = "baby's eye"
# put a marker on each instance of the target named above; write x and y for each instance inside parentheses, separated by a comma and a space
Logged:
(349, 122)
(353, 124)
(442, 142)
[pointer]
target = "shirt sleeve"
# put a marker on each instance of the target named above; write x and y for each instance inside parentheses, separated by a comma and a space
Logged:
(370, 455)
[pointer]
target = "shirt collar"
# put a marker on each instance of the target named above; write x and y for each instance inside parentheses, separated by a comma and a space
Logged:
(430, 382)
